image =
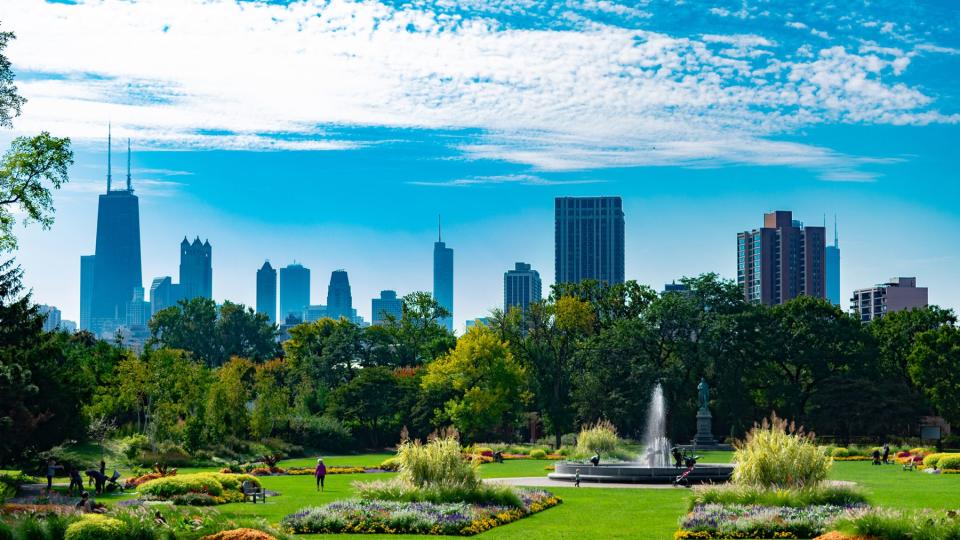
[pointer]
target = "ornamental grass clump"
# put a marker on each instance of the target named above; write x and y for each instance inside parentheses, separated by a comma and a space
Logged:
(818, 495)
(778, 454)
(600, 438)
(902, 524)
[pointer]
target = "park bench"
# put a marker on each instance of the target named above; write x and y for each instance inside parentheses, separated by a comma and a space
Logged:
(252, 491)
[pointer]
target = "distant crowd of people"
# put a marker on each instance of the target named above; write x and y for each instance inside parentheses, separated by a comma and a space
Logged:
(96, 479)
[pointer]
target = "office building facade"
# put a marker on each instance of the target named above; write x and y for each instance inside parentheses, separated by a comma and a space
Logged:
(388, 305)
(51, 315)
(87, 266)
(898, 294)
(521, 286)
(294, 291)
(164, 293)
(138, 310)
(782, 260)
(196, 268)
(443, 279)
(832, 254)
(589, 239)
(339, 298)
(267, 291)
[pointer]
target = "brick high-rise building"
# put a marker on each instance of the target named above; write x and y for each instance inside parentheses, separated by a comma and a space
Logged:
(897, 294)
(781, 260)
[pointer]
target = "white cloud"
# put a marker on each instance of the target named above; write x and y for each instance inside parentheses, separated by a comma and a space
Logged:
(199, 74)
(517, 179)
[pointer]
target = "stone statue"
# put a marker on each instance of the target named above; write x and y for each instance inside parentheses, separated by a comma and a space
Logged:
(704, 394)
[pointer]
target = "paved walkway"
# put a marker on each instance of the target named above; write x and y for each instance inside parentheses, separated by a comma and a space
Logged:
(543, 481)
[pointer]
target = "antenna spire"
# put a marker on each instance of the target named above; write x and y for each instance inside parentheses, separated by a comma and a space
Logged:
(439, 229)
(109, 157)
(129, 186)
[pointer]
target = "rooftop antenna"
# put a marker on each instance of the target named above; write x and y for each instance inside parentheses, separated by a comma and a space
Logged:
(109, 157)
(836, 237)
(439, 229)
(129, 187)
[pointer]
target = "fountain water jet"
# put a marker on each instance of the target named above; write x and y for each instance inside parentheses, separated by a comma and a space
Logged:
(655, 466)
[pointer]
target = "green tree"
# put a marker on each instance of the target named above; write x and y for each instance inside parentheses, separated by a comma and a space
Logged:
(934, 366)
(226, 407)
(324, 352)
(213, 335)
(420, 334)
(488, 384)
(30, 168)
(369, 401)
(271, 406)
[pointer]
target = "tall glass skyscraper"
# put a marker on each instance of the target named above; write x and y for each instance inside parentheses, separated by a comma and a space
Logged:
(196, 268)
(267, 291)
(294, 291)
(832, 254)
(117, 270)
(339, 299)
(589, 239)
(443, 278)
(87, 264)
(520, 287)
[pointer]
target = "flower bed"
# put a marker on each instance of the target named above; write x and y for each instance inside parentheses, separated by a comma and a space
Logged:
(714, 521)
(364, 516)
(308, 471)
(853, 458)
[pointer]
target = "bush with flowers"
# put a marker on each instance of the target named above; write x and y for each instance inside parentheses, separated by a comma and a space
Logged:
(200, 489)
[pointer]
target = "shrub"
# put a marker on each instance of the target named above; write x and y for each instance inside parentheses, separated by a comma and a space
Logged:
(823, 494)
(901, 525)
(390, 464)
(931, 461)
(396, 489)
(322, 432)
(95, 527)
(949, 461)
(131, 445)
(601, 438)
(777, 453)
(167, 487)
(840, 452)
(537, 453)
(194, 499)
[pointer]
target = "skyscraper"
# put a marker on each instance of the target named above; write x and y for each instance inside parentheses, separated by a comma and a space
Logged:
(781, 260)
(521, 286)
(196, 268)
(294, 291)
(117, 264)
(443, 276)
(589, 239)
(164, 293)
(339, 299)
(51, 321)
(87, 264)
(387, 304)
(833, 267)
(138, 310)
(267, 291)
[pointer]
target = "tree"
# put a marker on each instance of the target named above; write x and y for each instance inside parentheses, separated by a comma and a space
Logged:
(934, 366)
(213, 335)
(29, 166)
(271, 406)
(369, 401)
(324, 352)
(553, 331)
(419, 333)
(100, 429)
(226, 407)
(488, 384)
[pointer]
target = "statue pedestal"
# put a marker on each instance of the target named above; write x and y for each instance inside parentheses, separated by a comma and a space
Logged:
(704, 435)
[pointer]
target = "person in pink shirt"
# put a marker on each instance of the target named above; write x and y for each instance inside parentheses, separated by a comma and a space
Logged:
(320, 473)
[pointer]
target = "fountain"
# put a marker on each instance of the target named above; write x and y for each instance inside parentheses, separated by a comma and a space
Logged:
(655, 466)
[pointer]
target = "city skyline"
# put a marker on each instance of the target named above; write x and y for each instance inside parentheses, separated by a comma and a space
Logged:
(779, 106)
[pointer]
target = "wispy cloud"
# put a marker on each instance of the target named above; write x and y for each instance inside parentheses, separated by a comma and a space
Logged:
(590, 88)
(516, 179)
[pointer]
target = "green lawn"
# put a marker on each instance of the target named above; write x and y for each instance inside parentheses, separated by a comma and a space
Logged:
(589, 513)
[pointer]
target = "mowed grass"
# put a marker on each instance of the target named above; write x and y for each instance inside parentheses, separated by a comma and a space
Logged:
(588, 513)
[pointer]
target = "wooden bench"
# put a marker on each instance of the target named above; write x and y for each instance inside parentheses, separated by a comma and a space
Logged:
(252, 491)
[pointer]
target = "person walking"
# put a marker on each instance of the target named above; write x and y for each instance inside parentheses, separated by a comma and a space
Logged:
(75, 481)
(886, 453)
(320, 473)
(576, 479)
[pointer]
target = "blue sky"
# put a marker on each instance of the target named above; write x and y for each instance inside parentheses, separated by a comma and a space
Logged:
(334, 132)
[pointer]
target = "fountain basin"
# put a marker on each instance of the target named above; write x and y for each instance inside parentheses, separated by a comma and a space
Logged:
(636, 473)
